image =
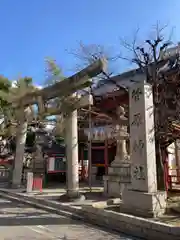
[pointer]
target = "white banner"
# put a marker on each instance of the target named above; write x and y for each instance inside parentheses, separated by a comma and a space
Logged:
(100, 133)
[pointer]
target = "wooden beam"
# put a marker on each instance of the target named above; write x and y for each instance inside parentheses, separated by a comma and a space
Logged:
(67, 86)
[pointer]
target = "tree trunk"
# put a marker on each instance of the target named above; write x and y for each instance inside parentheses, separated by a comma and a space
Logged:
(19, 156)
(160, 168)
(158, 121)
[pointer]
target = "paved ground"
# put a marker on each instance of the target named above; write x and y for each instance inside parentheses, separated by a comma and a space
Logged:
(19, 221)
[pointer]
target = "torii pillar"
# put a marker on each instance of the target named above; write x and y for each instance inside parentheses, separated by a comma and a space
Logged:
(72, 155)
(71, 138)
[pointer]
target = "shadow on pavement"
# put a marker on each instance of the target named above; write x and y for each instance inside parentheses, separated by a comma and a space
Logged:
(90, 197)
(25, 221)
(16, 214)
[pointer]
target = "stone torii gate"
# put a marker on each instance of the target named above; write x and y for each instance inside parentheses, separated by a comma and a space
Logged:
(64, 89)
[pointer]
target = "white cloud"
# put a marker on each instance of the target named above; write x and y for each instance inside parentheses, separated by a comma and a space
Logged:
(14, 83)
(38, 86)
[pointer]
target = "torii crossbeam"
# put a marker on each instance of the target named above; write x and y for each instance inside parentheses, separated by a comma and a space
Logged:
(63, 88)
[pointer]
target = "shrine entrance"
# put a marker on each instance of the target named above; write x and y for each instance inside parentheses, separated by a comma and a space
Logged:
(102, 154)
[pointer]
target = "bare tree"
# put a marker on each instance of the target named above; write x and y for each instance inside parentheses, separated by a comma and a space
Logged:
(87, 54)
(158, 59)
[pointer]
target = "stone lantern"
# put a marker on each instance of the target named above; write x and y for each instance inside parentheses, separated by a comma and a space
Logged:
(119, 172)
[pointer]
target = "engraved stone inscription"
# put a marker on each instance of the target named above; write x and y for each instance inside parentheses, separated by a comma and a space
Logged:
(138, 146)
(142, 142)
(136, 94)
(137, 120)
(139, 172)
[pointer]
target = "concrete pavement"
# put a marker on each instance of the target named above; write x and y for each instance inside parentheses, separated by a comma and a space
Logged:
(20, 221)
(97, 211)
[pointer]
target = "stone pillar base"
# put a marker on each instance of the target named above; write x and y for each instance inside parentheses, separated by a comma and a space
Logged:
(117, 179)
(143, 204)
(113, 186)
(71, 196)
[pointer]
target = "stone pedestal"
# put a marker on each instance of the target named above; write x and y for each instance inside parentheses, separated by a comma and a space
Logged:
(143, 204)
(118, 178)
(142, 198)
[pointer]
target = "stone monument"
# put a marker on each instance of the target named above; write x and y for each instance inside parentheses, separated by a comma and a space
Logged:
(119, 171)
(38, 162)
(142, 198)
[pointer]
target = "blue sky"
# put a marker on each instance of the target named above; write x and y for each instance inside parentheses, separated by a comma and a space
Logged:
(33, 30)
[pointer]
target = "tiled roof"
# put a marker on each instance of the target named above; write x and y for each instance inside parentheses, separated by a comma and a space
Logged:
(126, 79)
